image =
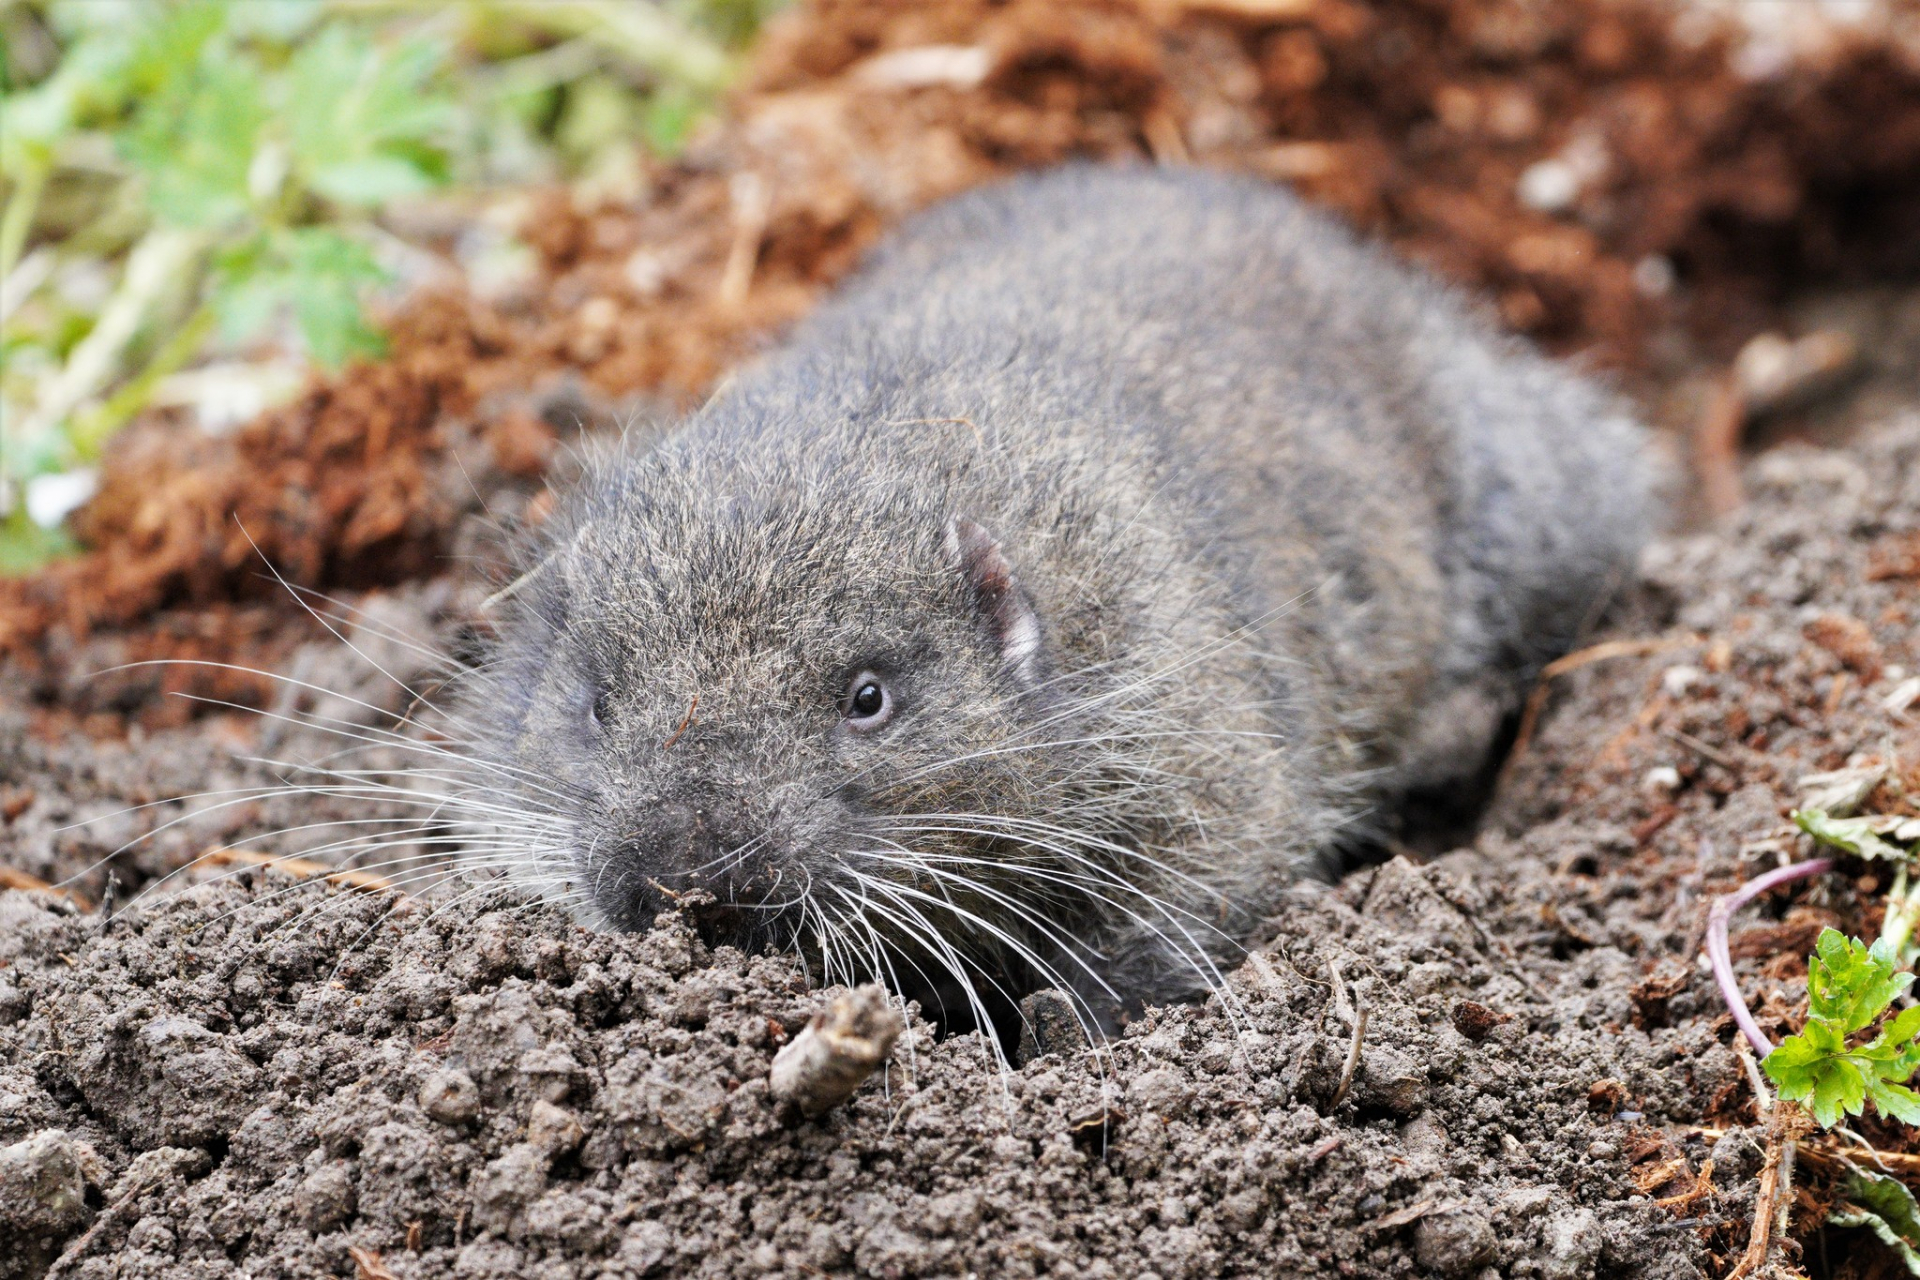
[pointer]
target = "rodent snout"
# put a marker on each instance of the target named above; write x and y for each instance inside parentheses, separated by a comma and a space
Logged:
(710, 845)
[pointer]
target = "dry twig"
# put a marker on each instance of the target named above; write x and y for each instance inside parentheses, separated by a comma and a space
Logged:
(752, 203)
(686, 722)
(1776, 1180)
(1355, 1015)
(1537, 700)
(305, 868)
(369, 1265)
(1762, 1096)
(1705, 749)
(836, 1051)
(13, 878)
(1353, 1059)
(1716, 447)
(1684, 1201)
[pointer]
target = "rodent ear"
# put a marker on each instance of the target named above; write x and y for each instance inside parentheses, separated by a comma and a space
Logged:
(998, 595)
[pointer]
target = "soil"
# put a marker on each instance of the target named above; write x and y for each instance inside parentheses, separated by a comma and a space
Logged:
(254, 1070)
(259, 1074)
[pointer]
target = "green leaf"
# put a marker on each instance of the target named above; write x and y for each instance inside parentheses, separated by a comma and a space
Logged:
(1885, 1207)
(1851, 835)
(197, 128)
(1851, 983)
(25, 546)
(91, 82)
(1849, 986)
(170, 50)
(371, 181)
(1810, 1068)
(1904, 1027)
(667, 120)
(35, 454)
(248, 289)
(334, 326)
(1895, 1100)
(316, 273)
(329, 273)
(365, 126)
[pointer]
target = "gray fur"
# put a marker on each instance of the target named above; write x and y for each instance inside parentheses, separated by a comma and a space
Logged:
(1294, 526)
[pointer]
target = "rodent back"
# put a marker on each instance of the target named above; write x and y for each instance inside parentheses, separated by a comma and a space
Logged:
(1451, 503)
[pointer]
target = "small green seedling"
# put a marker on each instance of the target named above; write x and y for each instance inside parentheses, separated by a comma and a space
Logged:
(1849, 986)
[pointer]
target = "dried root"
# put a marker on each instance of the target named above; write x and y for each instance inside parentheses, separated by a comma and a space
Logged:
(836, 1051)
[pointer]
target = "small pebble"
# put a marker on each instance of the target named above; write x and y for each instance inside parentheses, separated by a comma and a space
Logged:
(1391, 1080)
(1454, 1241)
(1661, 778)
(450, 1097)
(1677, 681)
(1654, 276)
(42, 1184)
(1549, 186)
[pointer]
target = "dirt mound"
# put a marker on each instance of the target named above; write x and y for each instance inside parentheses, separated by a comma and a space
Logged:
(1600, 169)
(257, 1075)
(226, 1084)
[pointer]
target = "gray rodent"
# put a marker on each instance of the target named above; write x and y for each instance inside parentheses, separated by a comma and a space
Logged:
(1118, 545)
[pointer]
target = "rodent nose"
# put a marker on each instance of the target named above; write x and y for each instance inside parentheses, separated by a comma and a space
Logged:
(701, 844)
(703, 857)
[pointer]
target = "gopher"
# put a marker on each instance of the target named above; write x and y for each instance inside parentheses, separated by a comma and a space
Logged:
(1118, 546)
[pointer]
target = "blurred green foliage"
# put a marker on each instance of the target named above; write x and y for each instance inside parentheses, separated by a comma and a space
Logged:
(191, 178)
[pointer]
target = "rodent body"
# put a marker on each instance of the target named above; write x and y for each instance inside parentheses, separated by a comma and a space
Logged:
(1167, 532)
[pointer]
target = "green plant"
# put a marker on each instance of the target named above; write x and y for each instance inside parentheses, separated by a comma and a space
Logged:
(1849, 986)
(252, 165)
(1831, 1066)
(184, 178)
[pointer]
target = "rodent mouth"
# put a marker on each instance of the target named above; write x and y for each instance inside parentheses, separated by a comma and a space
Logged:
(956, 989)
(722, 915)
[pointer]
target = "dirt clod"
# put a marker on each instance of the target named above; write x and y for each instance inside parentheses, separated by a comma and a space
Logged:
(1454, 1240)
(1475, 1021)
(43, 1183)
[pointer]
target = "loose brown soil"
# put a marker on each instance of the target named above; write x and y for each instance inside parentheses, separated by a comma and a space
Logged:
(247, 1072)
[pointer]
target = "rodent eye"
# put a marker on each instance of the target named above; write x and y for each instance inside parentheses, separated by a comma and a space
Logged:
(868, 704)
(602, 707)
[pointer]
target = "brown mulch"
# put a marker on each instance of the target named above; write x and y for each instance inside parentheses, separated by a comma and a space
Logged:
(1414, 118)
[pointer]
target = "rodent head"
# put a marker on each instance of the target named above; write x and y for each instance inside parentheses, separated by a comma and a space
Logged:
(829, 702)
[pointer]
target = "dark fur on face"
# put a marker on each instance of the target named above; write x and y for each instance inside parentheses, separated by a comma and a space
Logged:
(1094, 565)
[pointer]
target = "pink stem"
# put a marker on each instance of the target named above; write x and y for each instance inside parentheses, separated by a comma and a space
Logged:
(1717, 954)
